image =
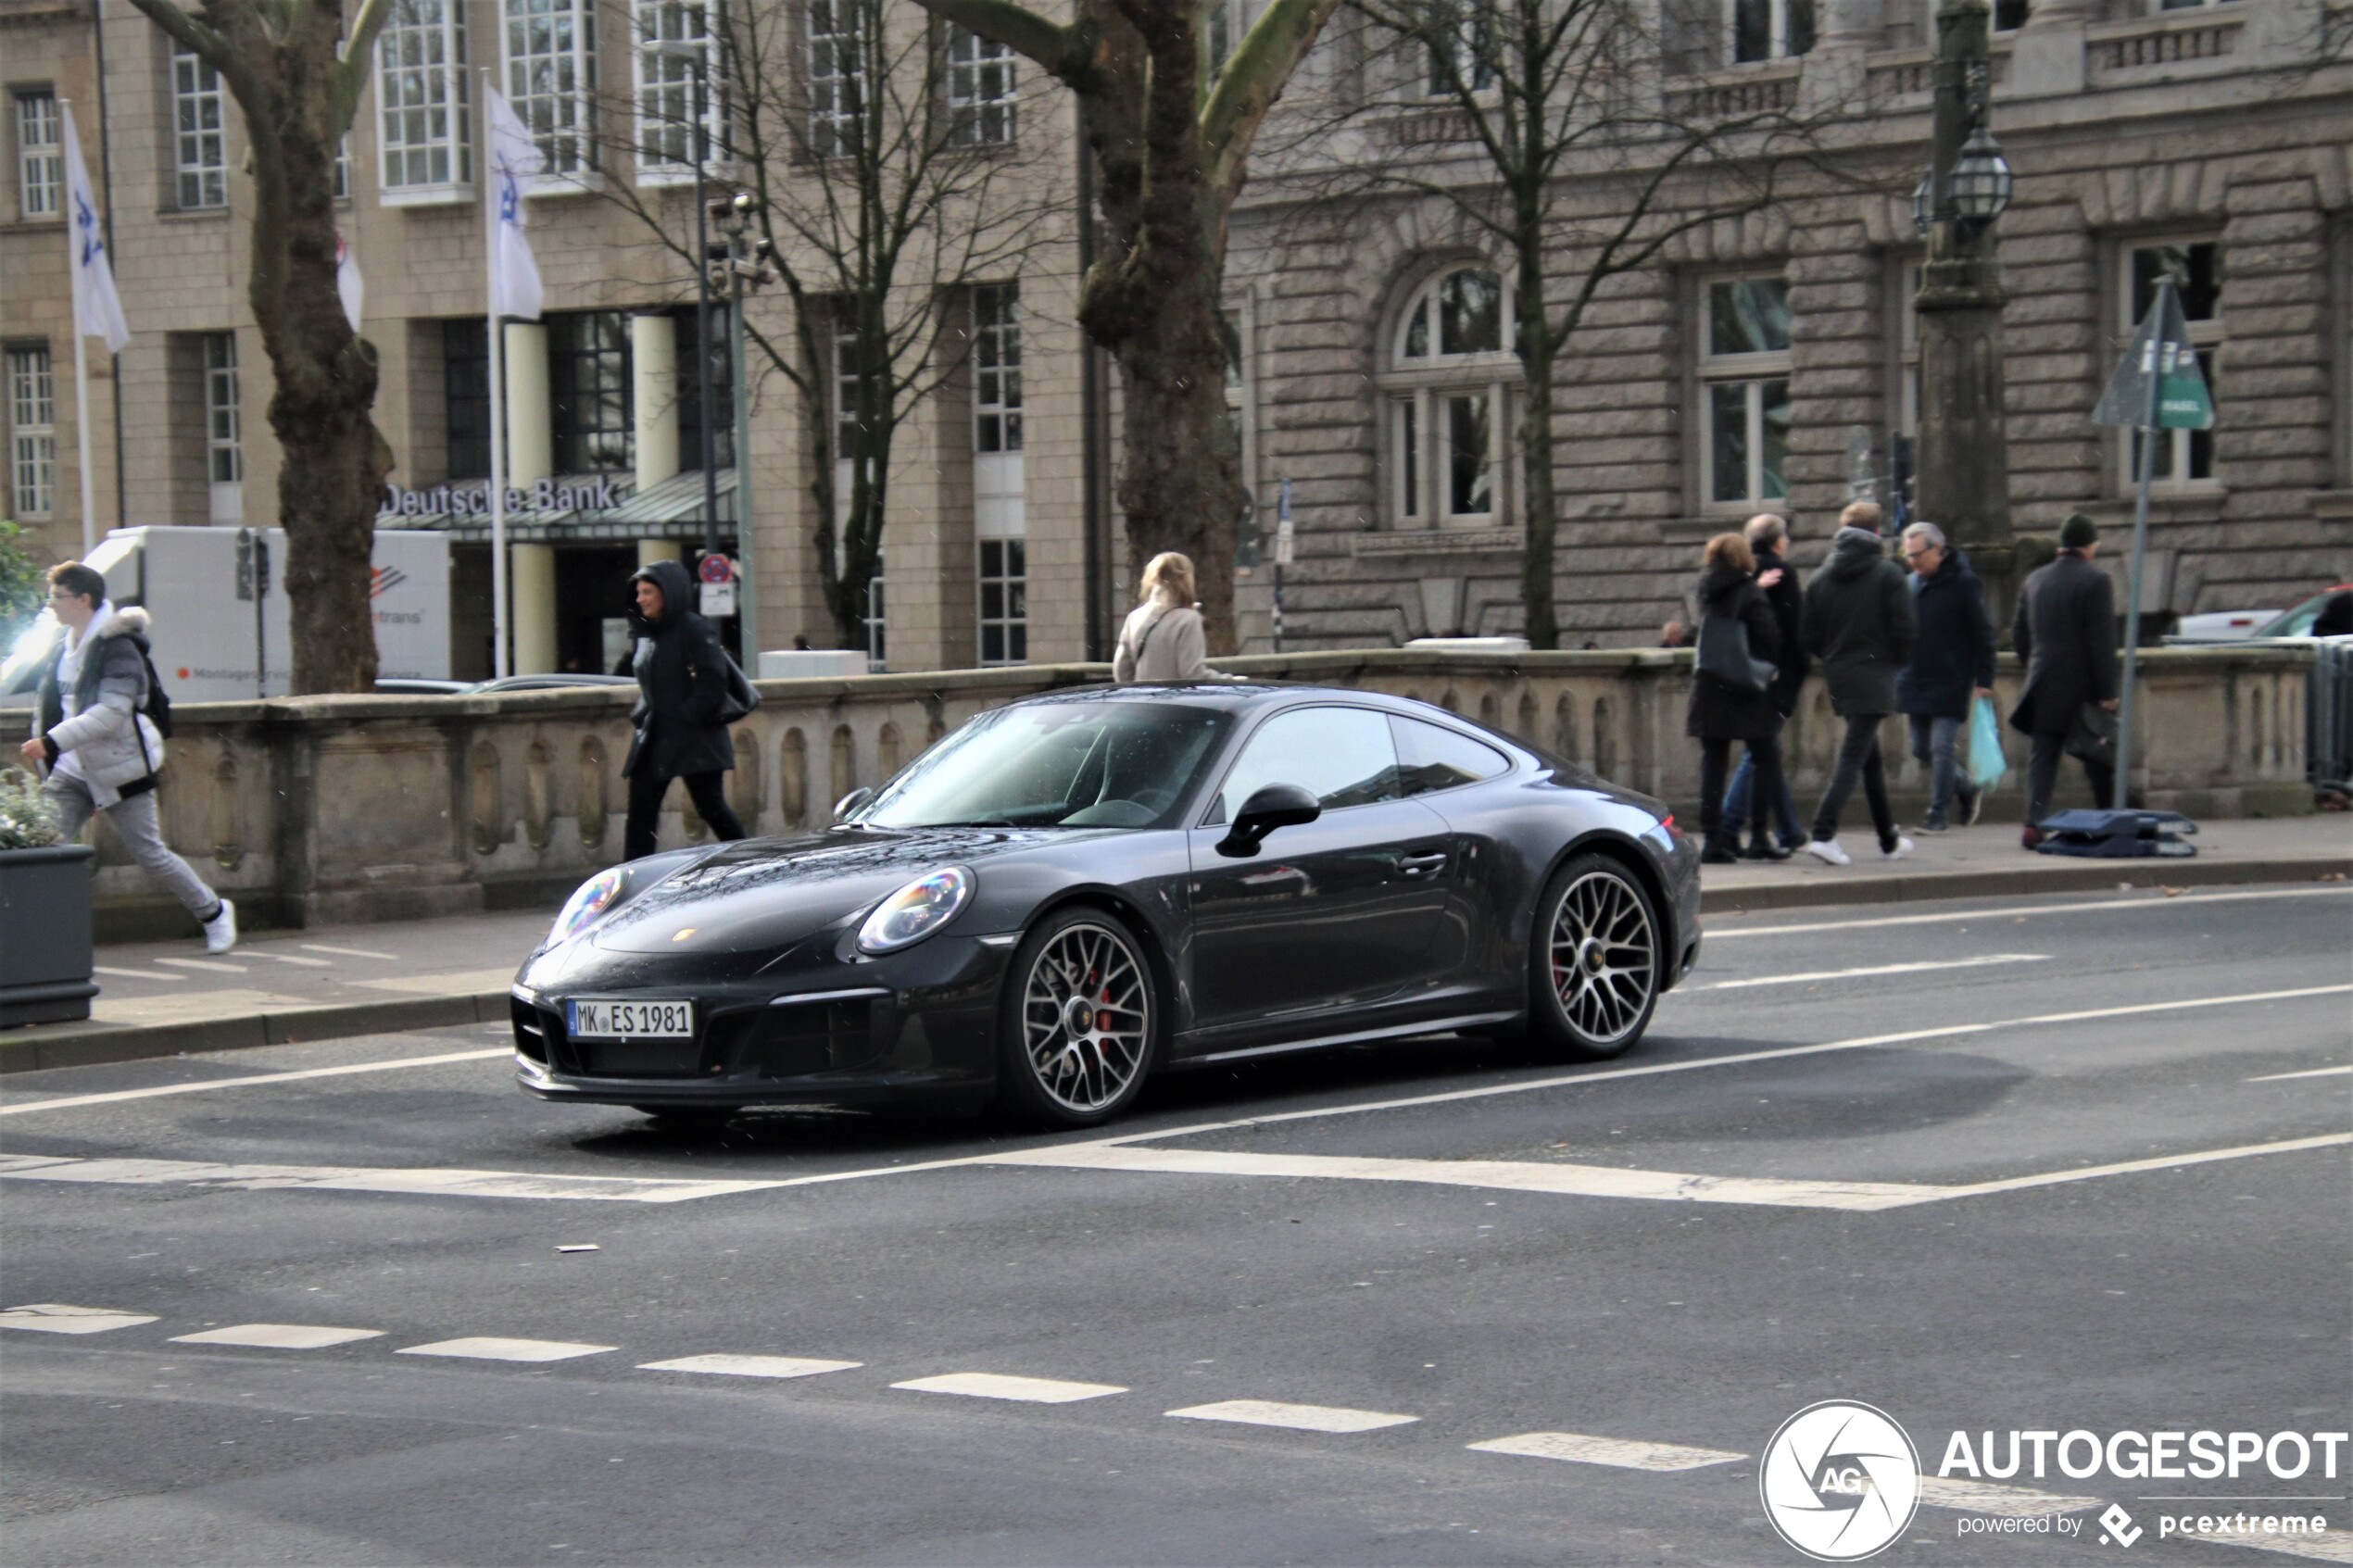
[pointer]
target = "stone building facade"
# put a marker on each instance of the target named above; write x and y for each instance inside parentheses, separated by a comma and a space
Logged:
(1734, 376)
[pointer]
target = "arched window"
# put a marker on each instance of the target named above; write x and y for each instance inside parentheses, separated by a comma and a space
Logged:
(1446, 404)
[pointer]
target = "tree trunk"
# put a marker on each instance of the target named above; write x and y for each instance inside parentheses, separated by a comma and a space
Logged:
(1540, 498)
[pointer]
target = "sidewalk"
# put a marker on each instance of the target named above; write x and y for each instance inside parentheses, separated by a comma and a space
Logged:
(159, 998)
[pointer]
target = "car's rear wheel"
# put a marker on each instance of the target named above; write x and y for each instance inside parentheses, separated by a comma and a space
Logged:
(1079, 1022)
(1593, 961)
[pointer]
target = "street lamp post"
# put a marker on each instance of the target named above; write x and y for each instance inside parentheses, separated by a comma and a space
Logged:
(1963, 464)
(691, 53)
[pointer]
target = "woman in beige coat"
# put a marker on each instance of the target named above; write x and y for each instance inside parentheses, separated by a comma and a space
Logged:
(1163, 639)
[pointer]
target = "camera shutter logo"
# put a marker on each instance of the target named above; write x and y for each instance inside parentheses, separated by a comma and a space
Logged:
(1840, 1481)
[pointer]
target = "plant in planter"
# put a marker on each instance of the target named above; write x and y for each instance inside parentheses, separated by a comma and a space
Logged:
(45, 911)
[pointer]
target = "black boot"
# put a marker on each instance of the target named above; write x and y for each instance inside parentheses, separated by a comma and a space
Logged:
(1762, 848)
(1718, 853)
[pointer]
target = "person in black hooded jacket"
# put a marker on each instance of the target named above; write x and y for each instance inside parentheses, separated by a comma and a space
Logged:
(1721, 713)
(682, 688)
(1858, 624)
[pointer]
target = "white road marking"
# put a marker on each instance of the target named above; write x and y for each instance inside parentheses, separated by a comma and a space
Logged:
(2314, 1072)
(1299, 1418)
(2335, 1546)
(427, 1182)
(55, 1317)
(1939, 964)
(749, 1366)
(1585, 1181)
(1977, 1496)
(349, 952)
(491, 1348)
(2162, 1163)
(287, 958)
(207, 964)
(996, 1385)
(135, 973)
(65, 1102)
(278, 1336)
(2154, 901)
(1578, 1448)
(453, 983)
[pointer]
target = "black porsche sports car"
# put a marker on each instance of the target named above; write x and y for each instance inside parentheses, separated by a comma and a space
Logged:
(1074, 891)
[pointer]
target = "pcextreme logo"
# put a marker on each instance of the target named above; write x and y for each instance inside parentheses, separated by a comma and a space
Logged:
(1840, 1481)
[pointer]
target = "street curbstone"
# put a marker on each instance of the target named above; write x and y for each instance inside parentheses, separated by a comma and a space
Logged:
(95, 1043)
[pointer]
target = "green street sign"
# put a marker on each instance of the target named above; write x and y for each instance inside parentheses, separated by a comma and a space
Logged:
(2157, 384)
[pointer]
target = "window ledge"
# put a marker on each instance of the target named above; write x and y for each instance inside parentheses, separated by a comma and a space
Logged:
(584, 182)
(1438, 541)
(425, 196)
(668, 176)
(31, 225)
(192, 214)
(2331, 503)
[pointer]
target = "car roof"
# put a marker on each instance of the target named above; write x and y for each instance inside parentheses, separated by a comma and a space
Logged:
(1245, 697)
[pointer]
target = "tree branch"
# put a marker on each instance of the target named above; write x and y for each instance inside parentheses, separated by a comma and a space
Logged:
(1017, 28)
(1247, 87)
(352, 71)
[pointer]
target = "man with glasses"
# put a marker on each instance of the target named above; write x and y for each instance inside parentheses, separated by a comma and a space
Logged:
(90, 730)
(1952, 663)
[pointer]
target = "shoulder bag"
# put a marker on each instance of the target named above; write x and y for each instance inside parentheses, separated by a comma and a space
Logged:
(1724, 655)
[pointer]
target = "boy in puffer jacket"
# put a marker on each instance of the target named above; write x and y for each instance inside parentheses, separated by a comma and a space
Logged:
(101, 751)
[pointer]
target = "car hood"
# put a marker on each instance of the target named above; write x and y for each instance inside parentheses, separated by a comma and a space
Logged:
(773, 893)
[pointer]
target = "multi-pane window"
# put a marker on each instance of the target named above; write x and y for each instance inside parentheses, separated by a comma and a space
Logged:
(1769, 30)
(200, 148)
(588, 391)
(1004, 601)
(1000, 516)
(33, 433)
(224, 453)
(421, 96)
(1461, 44)
(1744, 366)
(689, 390)
(40, 167)
(666, 88)
(1448, 402)
(877, 639)
(551, 79)
(997, 369)
(2196, 267)
(981, 90)
(837, 76)
(465, 381)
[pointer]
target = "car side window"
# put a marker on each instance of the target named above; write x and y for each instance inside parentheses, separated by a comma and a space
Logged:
(1343, 755)
(1430, 756)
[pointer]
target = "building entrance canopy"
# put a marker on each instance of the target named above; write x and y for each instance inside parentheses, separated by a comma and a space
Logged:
(571, 508)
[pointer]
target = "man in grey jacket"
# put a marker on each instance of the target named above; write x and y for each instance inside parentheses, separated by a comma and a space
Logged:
(100, 748)
(1858, 624)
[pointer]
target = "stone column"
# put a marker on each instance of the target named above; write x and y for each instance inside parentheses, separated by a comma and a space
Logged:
(653, 354)
(531, 571)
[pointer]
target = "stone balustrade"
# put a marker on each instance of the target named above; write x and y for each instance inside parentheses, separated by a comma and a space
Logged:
(315, 810)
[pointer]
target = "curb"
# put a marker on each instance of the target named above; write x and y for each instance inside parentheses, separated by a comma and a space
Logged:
(90, 1042)
(2070, 876)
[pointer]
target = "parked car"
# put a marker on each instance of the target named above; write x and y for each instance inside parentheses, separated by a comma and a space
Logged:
(504, 684)
(2219, 626)
(1074, 891)
(2327, 613)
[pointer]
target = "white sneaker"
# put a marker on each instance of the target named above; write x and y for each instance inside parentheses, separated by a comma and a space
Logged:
(1903, 848)
(1827, 849)
(220, 930)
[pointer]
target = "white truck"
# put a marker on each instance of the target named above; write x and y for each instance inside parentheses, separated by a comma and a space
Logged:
(209, 646)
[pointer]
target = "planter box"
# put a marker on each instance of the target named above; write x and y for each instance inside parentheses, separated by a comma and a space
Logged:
(45, 934)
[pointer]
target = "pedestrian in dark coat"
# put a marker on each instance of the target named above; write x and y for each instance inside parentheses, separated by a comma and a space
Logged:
(1952, 665)
(1858, 624)
(1720, 713)
(682, 689)
(1768, 543)
(2065, 634)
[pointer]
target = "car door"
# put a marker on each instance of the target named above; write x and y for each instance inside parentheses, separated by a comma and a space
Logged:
(1335, 913)
(1437, 766)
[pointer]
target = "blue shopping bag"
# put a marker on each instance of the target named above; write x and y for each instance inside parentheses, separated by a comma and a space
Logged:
(1986, 764)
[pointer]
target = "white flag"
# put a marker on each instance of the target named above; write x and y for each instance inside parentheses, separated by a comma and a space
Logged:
(97, 309)
(349, 285)
(514, 276)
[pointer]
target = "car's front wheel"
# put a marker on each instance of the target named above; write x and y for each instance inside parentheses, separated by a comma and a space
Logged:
(1079, 1025)
(1593, 961)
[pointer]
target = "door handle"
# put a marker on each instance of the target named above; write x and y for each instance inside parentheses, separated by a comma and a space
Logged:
(1422, 865)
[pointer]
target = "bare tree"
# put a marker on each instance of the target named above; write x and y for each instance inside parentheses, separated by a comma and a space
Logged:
(1170, 132)
(883, 198)
(296, 75)
(1541, 92)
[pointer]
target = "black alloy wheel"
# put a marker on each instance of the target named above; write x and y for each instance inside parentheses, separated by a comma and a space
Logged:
(1592, 960)
(1079, 1022)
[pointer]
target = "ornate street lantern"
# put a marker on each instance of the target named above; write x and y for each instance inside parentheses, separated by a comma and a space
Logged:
(1921, 216)
(1980, 179)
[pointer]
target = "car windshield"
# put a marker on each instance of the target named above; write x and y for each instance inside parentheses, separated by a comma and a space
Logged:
(1112, 764)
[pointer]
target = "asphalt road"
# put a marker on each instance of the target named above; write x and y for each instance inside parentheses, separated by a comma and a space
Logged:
(1866, 1154)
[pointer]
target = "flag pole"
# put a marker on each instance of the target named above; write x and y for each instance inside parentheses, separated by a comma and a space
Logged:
(2150, 435)
(82, 397)
(492, 195)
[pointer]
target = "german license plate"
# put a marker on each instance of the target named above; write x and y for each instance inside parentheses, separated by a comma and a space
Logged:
(610, 1018)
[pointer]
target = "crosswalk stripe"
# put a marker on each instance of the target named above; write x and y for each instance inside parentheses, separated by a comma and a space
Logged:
(1578, 1448)
(749, 1366)
(55, 1317)
(490, 1347)
(1938, 964)
(1297, 1418)
(348, 952)
(427, 1181)
(1977, 1496)
(278, 1336)
(997, 1386)
(207, 964)
(135, 973)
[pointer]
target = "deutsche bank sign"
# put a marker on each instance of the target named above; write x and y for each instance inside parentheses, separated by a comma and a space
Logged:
(474, 500)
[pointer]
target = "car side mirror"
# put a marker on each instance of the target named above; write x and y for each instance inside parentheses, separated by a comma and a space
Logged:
(1268, 807)
(850, 802)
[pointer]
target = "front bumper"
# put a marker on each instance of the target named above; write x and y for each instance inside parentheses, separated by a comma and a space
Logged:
(816, 1028)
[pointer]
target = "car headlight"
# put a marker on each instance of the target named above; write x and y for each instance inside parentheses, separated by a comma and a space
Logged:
(593, 899)
(916, 911)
